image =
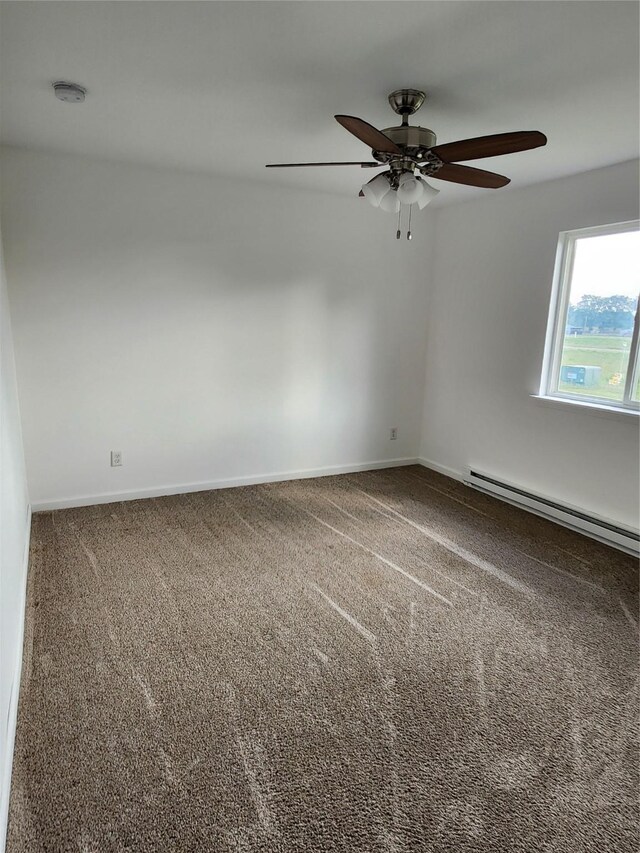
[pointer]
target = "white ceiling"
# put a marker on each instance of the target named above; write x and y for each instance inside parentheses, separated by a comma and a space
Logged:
(229, 86)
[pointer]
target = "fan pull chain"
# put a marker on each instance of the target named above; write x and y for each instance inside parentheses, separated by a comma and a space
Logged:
(398, 231)
(409, 235)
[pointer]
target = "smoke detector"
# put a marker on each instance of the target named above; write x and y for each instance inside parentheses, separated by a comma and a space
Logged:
(71, 93)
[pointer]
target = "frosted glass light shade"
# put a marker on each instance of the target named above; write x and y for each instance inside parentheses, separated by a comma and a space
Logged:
(409, 189)
(428, 194)
(376, 189)
(390, 202)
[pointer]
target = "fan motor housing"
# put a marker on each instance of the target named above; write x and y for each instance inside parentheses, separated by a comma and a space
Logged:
(408, 136)
(415, 143)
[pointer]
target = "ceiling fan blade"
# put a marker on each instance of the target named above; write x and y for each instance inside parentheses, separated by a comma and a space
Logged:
(490, 146)
(367, 165)
(368, 134)
(470, 176)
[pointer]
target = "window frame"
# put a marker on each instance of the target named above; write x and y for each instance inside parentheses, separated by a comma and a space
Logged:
(557, 322)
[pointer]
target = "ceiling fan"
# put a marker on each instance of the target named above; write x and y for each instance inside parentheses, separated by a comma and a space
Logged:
(406, 150)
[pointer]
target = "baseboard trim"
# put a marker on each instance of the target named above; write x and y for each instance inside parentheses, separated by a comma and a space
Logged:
(12, 720)
(441, 469)
(250, 480)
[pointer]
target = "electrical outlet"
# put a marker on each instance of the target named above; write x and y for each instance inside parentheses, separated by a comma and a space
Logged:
(116, 458)
(393, 433)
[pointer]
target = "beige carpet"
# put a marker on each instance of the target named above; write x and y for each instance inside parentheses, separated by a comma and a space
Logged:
(384, 661)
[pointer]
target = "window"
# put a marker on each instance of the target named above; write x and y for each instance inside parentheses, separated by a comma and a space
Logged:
(591, 354)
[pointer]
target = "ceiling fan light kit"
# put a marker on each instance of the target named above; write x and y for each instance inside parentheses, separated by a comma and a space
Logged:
(410, 153)
(409, 188)
(376, 189)
(390, 202)
(428, 194)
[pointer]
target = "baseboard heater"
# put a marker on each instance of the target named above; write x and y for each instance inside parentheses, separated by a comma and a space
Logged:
(601, 529)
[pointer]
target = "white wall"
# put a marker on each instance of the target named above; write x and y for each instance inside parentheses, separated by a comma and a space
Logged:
(487, 323)
(14, 541)
(211, 339)
(205, 337)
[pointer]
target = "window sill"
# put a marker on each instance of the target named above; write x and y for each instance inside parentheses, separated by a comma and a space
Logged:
(618, 414)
